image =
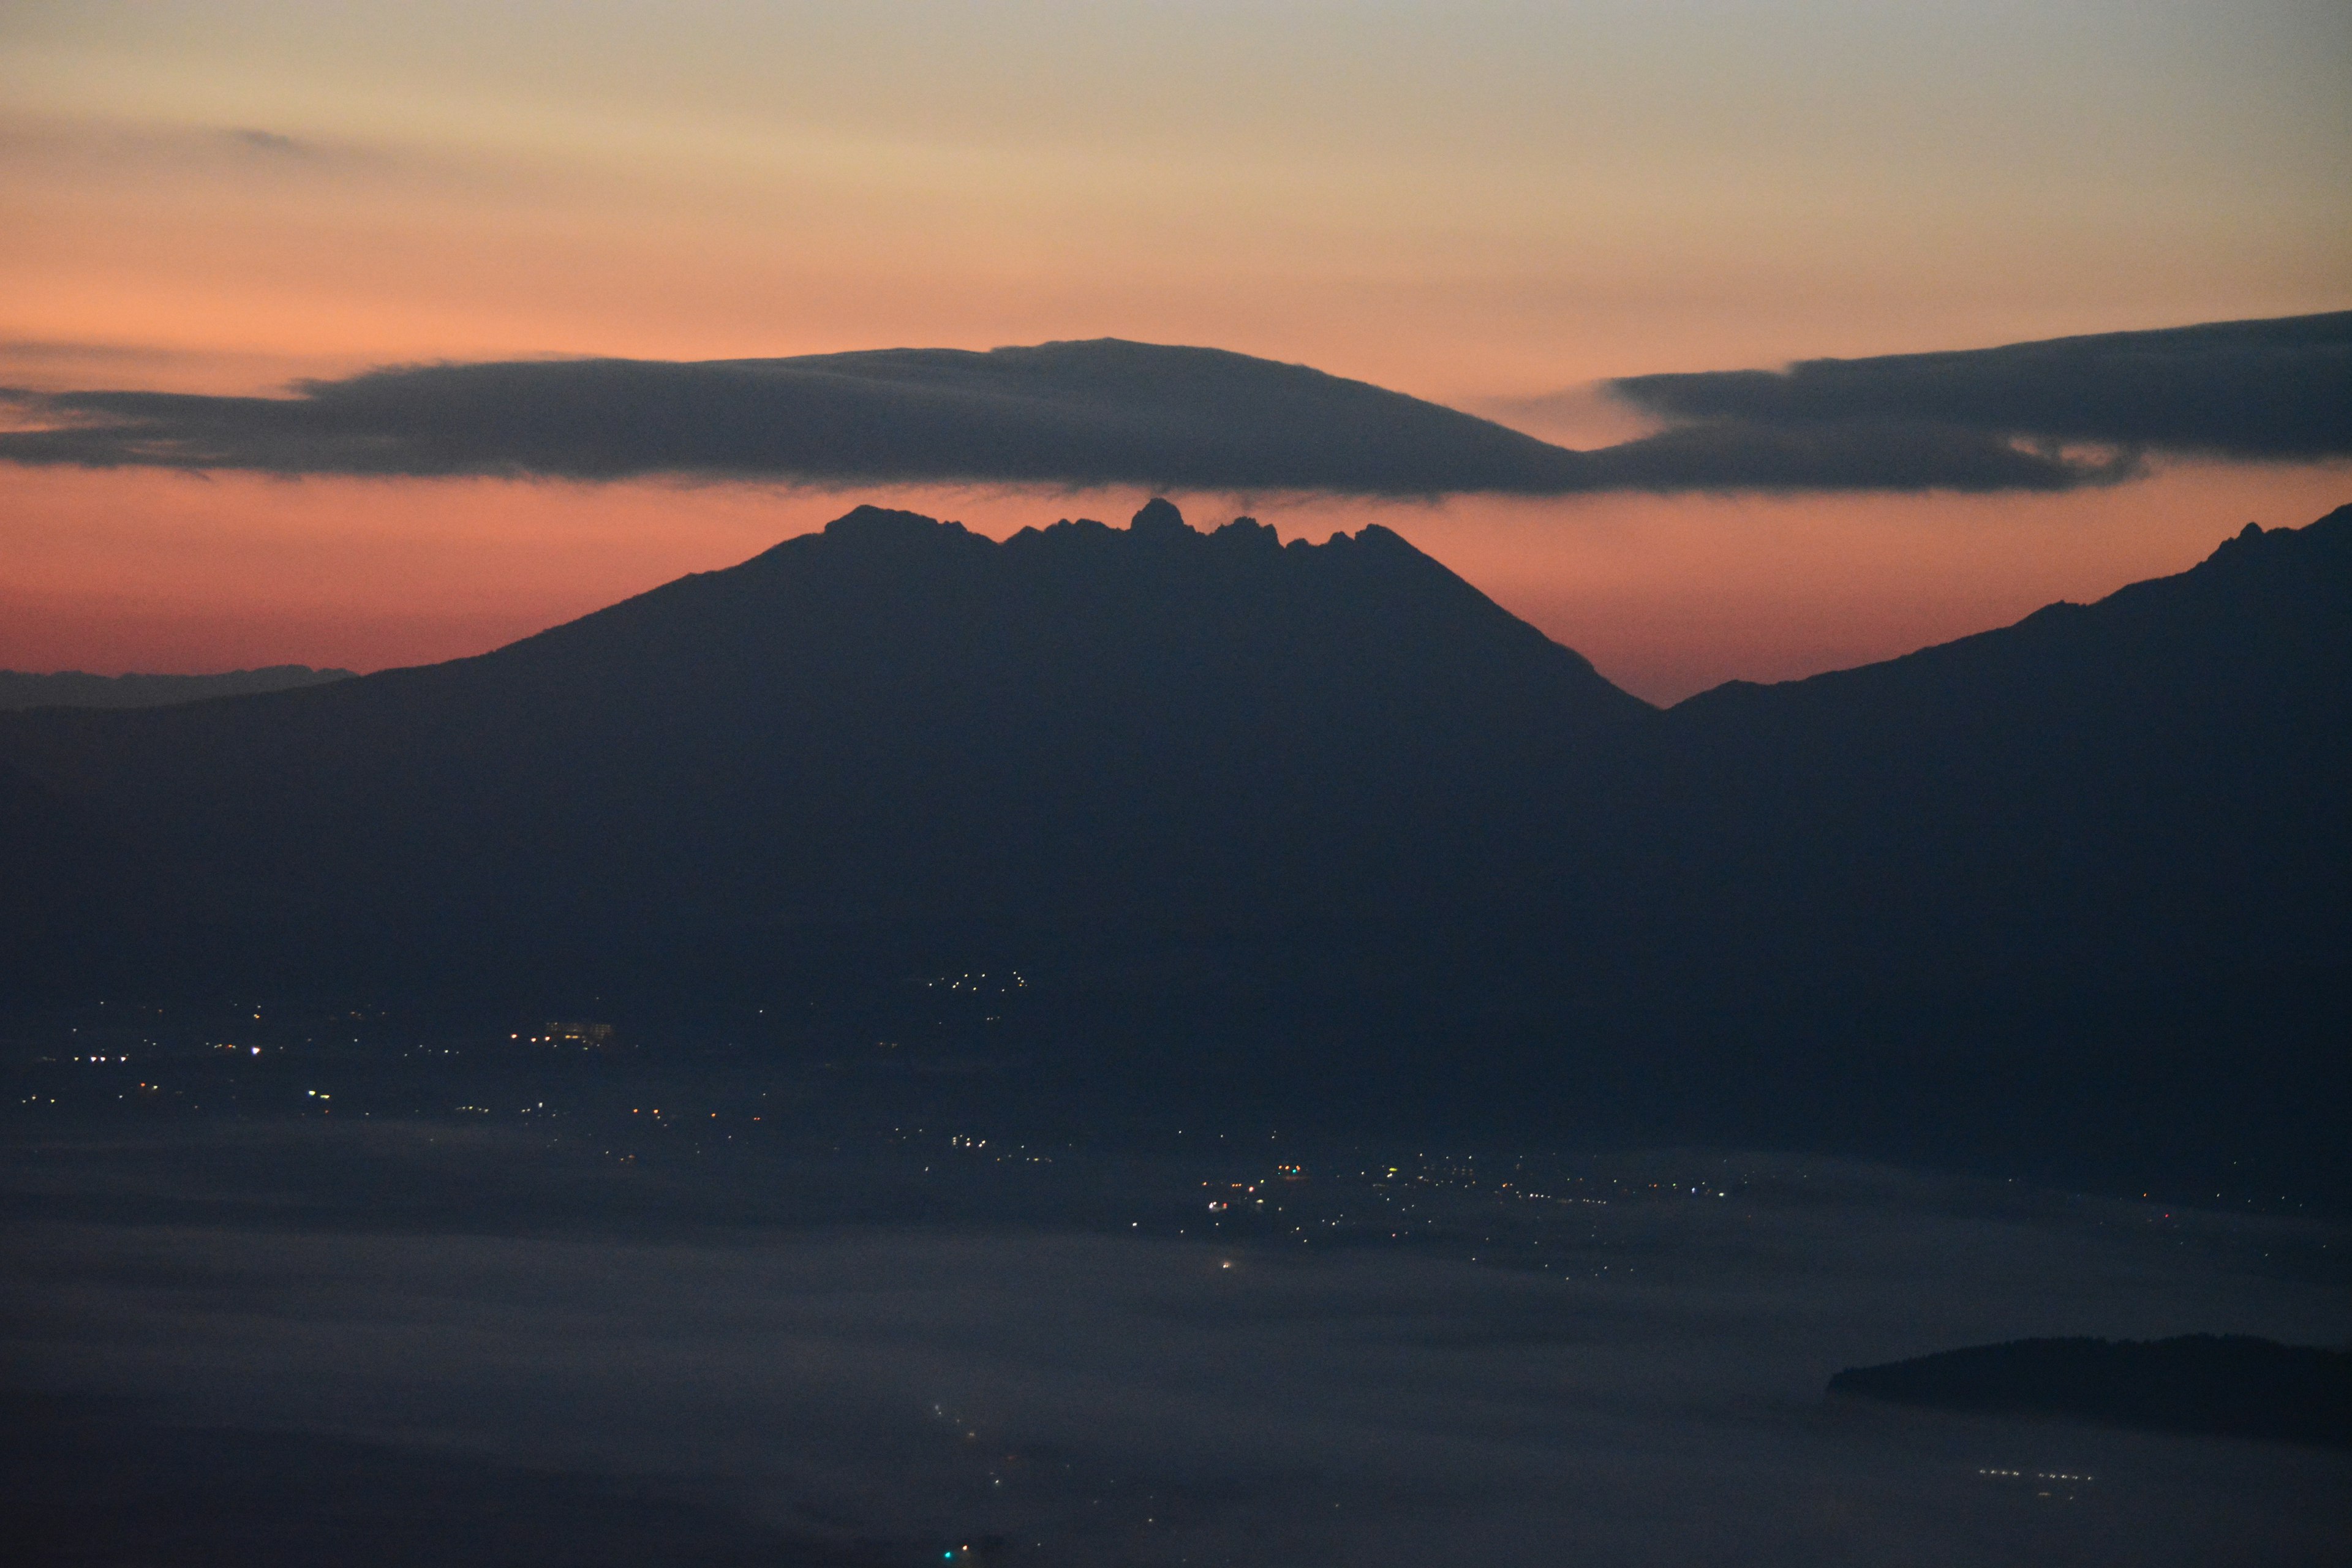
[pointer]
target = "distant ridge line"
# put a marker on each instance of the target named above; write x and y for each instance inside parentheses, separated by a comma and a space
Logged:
(78, 689)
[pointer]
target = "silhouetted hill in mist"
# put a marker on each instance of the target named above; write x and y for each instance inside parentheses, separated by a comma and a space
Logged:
(73, 688)
(2224, 1384)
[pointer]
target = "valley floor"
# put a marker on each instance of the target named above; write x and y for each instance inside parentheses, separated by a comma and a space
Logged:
(389, 1306)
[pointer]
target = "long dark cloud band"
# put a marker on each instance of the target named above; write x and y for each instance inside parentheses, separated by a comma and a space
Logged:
(1109, 412)
(2244, 389)
(1075, 414)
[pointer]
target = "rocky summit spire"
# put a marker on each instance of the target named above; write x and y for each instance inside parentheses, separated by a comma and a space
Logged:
(1158, 518)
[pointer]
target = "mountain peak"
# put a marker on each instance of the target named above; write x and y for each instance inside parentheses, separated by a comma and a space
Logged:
(880, 525)
(867, 528)
(1158, 518)
(2290, 548)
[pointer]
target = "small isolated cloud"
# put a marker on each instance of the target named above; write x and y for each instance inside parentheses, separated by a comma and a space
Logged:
(1109, 412)
(268, 140)
(47, 351)
(2270, 389)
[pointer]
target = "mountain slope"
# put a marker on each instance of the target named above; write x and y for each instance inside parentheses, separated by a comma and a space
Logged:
(2162, 771)
(2080, 888)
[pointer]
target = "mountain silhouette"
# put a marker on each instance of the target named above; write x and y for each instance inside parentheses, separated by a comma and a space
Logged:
(892, 721)
(2152, 747)
(2079, 883)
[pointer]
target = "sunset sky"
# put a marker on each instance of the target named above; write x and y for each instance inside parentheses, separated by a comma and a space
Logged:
(1491, 207)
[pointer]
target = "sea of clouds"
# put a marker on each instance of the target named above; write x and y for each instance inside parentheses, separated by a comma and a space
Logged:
(1015, 1389)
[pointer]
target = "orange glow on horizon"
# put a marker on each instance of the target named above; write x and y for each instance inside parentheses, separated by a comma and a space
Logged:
(167, 573)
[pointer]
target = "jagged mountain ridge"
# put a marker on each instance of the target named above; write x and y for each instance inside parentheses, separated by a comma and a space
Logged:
(894, 718)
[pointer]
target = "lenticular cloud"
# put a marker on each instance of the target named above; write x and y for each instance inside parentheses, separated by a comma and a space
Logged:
(1074, 415)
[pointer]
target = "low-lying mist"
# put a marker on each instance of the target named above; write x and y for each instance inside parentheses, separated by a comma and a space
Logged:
(262, 1342)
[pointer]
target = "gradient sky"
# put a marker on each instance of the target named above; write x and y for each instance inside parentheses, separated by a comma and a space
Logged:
(1480, 205)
